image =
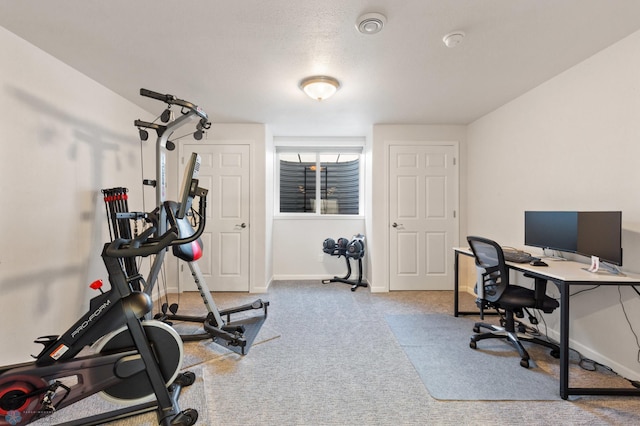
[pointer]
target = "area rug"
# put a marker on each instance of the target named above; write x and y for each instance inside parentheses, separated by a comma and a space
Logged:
(438, 347)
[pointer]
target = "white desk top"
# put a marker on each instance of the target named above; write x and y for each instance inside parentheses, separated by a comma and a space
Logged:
(568, 271)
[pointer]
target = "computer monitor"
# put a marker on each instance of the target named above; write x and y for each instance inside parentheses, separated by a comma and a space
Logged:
(189, 184)
(600, 234)
(551, 230)
(589, 233)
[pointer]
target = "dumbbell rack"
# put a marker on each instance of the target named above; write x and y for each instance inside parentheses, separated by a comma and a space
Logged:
(350, 250)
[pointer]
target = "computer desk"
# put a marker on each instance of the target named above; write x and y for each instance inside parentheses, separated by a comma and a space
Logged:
(564, 274)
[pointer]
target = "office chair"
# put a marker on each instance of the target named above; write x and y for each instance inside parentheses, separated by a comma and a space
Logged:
(495, 291)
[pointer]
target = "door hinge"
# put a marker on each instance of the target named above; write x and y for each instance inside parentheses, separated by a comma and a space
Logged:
(454, 161)
(454, 214)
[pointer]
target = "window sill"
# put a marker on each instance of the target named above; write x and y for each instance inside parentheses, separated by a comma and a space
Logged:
(312, 216)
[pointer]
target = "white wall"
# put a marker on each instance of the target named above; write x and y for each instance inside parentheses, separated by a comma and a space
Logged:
(64, 139)
(297, 241)
(269, 164)
(572, 143)
(72, 138)
(297, 247)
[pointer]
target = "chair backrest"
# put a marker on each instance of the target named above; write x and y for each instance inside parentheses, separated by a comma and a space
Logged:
(493, 276)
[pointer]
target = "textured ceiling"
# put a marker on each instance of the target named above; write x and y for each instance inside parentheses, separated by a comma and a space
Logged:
(241, 61)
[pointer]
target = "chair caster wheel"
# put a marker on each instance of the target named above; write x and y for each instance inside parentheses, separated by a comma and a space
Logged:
(524, 363)
(476, 329)
(473, 344)
(555, 353)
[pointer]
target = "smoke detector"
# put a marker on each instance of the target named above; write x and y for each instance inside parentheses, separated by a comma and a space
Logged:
(371, 23)
(453, 39)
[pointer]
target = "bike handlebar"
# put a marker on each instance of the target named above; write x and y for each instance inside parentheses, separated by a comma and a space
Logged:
(140, 246)
(143, 245)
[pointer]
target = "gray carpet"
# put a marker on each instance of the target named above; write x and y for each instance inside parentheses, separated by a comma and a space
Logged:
(438, 347)
(327, 356)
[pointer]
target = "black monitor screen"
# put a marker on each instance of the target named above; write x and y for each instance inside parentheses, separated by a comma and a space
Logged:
(189, 184)
(587, 233)
(600, 234)
(552, 230)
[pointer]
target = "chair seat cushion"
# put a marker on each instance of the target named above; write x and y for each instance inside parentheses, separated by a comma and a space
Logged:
(515, 296)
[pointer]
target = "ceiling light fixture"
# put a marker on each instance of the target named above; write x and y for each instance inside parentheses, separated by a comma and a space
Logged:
(453, 39)
(319, 87)
(371, 23)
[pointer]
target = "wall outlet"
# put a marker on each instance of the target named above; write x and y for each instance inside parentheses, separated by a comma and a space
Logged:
(321, 258)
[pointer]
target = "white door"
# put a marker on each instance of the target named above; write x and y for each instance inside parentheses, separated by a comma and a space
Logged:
(225, 261)
(423, 228)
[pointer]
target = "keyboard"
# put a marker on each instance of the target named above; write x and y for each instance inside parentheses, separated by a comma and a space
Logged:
(517, 256)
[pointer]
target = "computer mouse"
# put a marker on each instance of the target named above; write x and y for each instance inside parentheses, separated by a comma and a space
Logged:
(537, 262)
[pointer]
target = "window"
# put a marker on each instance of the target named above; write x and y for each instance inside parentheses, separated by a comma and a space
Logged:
(319, 182)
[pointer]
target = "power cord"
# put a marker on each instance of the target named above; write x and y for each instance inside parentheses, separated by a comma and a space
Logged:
(591, 365)
(588, 364)
(624, 311)
(534, 330)
(582, 291)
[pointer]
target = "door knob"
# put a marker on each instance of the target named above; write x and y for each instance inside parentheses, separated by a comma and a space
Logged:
(395, 225)
(242, 225)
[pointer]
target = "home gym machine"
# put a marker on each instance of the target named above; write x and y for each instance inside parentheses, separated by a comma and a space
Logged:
(353, 249)
(239, 332)
(132, 360)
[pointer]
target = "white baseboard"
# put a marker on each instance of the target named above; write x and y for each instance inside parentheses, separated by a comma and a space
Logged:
(597, 357)
(300, 277)
(261, 289)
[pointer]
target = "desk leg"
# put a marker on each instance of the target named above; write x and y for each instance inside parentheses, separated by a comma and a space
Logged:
(564, 340)
(456, 284)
